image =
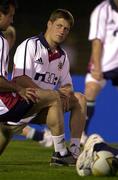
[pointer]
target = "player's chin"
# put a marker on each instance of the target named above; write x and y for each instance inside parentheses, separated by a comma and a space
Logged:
(59, 40)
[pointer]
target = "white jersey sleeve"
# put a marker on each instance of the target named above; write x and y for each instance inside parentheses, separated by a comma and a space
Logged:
(23, 64)
(98, 22)
(4, 52)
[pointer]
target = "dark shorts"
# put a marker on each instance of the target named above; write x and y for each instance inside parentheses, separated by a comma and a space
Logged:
(105, 147)
(112, 75)
(17, 112)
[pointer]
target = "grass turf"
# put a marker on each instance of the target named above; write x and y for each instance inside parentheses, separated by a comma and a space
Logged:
(27, 160)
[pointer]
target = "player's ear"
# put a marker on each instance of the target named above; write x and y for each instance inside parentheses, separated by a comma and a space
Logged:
(49, 24)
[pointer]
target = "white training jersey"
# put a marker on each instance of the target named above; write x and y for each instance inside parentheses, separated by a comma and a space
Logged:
(4, 51)
(7, 100)
(34, 58)
(104, 26)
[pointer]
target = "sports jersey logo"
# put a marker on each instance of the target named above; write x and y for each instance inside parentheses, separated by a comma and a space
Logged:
(39, 61)
(60, 65)
(49, 78)
(115, 32)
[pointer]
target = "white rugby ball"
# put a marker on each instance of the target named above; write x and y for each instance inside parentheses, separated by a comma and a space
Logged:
(103, 164)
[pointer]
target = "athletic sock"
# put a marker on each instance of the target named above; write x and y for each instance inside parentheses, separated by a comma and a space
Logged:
(59, 144)
(38, 136)
(35, 135)
(75, 147)
(90, 113)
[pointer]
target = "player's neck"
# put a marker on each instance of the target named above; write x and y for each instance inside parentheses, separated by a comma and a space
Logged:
(53, 46)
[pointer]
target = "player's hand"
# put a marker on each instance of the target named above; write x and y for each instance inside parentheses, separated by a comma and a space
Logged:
(97, 74)
(66, 90)
(65, 96)
(28, 94)
(65, 102)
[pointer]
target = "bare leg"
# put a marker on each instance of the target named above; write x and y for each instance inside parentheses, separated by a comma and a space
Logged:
(78, 116)
(92, 89)
(77, 121)
(6, 134)
(54, 115)
(5, 137)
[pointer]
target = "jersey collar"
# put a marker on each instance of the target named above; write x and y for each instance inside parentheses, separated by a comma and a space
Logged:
(43, 40)
(113, 5)
(1, 34)
(46, 45)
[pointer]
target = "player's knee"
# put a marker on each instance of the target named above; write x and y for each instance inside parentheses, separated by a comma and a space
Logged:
(56, 98)
(91, 91)
(81, 99)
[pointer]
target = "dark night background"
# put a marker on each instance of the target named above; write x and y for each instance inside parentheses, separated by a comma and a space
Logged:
(31, 18)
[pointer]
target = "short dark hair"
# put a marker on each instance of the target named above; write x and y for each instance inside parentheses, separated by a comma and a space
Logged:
(4, 5)
(62, 13)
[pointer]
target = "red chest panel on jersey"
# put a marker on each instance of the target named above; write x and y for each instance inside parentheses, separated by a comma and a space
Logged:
(9, 99)
(54, 55)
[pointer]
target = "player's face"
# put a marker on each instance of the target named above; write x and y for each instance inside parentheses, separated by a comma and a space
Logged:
(7, 19)
(58, 30)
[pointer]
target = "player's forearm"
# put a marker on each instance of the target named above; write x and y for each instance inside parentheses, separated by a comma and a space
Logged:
(7, 86)
(66, 89)
(96, 54)
(25, 82)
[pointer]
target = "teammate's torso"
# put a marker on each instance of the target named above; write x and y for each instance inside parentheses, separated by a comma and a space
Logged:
(4, 52)
(7, 100)
(104, 26)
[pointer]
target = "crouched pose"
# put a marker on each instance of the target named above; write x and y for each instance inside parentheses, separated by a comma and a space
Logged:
(41, 66)
(41, 62)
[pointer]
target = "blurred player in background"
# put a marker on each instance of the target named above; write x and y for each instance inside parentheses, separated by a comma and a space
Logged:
(18, 104)
(43, 137)
(41, 62)
(103, 64)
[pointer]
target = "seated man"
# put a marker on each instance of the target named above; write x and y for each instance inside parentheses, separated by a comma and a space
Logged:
(41, 62)
(33, 93)
(18, 104)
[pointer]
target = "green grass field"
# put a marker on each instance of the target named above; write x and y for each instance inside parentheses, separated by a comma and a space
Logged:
(27, 160)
